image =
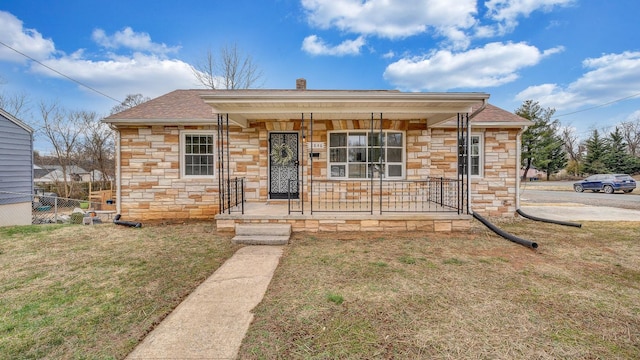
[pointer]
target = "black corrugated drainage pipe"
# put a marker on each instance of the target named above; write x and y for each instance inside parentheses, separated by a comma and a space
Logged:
(559, 222)
(504, 234)
(117, 221)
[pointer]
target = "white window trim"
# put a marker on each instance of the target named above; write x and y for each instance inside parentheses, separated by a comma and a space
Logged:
(183, 134)
(385, 178)
(481, 152)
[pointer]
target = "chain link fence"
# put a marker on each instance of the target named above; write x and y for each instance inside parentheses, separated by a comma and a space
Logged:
(23, 209)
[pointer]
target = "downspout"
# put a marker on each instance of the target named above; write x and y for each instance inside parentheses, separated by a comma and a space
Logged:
(518, 180)
(518, 160)
(118, 170)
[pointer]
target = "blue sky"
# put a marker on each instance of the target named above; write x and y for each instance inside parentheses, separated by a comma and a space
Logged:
(571, 55)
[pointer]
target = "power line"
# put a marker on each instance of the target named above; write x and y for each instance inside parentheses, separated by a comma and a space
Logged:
(61, 74)
(599, 106)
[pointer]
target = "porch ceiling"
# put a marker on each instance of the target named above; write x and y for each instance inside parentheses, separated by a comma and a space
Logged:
(433, 107)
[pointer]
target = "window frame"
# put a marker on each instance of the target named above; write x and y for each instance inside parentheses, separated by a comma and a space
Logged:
(480, 155)
(367, 151)
(183, 153)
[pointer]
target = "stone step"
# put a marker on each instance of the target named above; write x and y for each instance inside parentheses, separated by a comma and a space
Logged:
(260, 240)
(263, 229)
(262, 234)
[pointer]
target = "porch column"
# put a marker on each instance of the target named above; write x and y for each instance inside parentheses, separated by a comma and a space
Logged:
(311, 162)
(462, 131)
(228, 166)
(301, 154)
(220, 149)
(382, 171)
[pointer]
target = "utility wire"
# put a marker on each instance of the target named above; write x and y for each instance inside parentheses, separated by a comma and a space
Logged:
(598, 106)
(61, 74)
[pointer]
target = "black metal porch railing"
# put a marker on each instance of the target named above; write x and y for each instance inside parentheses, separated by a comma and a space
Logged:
(232, 196)
(430, 195)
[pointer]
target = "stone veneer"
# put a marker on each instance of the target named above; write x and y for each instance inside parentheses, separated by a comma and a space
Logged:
(152, 188)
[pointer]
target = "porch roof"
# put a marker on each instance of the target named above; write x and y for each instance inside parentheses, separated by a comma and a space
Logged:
(243, 106)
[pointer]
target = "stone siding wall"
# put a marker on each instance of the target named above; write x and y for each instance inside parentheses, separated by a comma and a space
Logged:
(153, 189)
(494, 192)
(151, 185)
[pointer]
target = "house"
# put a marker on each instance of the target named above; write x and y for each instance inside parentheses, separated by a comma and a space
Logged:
(318, 159)
(16, 170)
(533, 174)
(54, 173)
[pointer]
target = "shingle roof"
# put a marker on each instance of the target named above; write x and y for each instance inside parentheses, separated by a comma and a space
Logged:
(492, 113)
(176, 105)
(188, 105)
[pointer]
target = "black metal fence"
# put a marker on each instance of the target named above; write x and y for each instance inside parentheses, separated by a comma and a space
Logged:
(430, 195)
(232, 196)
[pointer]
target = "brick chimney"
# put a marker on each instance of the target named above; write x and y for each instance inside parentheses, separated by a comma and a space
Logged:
(301, 84)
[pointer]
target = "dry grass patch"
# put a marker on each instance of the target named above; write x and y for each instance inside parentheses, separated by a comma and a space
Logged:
(461, 295)
(92, 292)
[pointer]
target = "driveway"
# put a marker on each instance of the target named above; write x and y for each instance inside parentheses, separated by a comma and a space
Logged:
(557, 200)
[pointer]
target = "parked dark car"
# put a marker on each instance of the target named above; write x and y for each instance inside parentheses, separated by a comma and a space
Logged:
(607, 183)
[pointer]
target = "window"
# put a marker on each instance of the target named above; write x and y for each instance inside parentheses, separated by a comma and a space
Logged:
(475, 156)
(364, 154)
(197, 154)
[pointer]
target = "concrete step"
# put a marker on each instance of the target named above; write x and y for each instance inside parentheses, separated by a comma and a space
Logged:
(262, 234)
(263, 229)
(260, 240)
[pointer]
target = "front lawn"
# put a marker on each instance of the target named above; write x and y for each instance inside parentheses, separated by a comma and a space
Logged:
(458, 296)
(92, 292)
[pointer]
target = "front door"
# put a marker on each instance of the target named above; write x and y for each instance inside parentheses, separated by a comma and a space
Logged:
(283, 165)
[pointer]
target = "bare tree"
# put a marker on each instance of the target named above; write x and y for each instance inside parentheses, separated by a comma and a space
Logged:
(572, 147)
(63, 130)
(98, 146)
(130, 101)
(230, 70)
(631, 134)
(15, 104)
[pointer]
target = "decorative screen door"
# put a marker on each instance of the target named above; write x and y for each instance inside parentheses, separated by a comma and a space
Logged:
(283, 165)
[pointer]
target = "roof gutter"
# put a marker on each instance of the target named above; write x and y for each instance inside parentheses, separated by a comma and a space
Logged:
(479, 110)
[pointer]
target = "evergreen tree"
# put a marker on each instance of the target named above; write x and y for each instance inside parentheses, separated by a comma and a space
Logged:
(594, 162)
(616, 158)
(542, 146)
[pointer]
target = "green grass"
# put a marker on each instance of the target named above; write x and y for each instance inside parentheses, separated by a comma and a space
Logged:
(455, 296)
(92, 292)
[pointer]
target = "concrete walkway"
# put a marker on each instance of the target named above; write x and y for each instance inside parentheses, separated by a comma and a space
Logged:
(212, 321)
(579, 212)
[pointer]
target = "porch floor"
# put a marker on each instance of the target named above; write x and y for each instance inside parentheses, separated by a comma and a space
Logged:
(275, 211)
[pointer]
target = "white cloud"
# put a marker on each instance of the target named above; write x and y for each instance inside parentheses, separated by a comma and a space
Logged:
(393, 19)
(491, 65)
(634, 116)
(146, 70)
(313, 45)
(609, 77)
(127, 38)
(149, 75)
(27, 41)
(506, 12)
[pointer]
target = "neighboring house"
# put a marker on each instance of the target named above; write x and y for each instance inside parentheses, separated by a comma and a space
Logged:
(319, 160)
(534, 174)
(54, 173)
(16, 170)
(94, 175)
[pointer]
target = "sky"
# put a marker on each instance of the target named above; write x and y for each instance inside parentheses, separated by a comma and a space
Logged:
(579, 57)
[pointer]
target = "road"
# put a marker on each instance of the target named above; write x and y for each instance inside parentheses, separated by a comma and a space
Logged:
(536, 193)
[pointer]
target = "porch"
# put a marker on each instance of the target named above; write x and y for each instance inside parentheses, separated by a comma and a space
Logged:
(434, 204)
(277, 212)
